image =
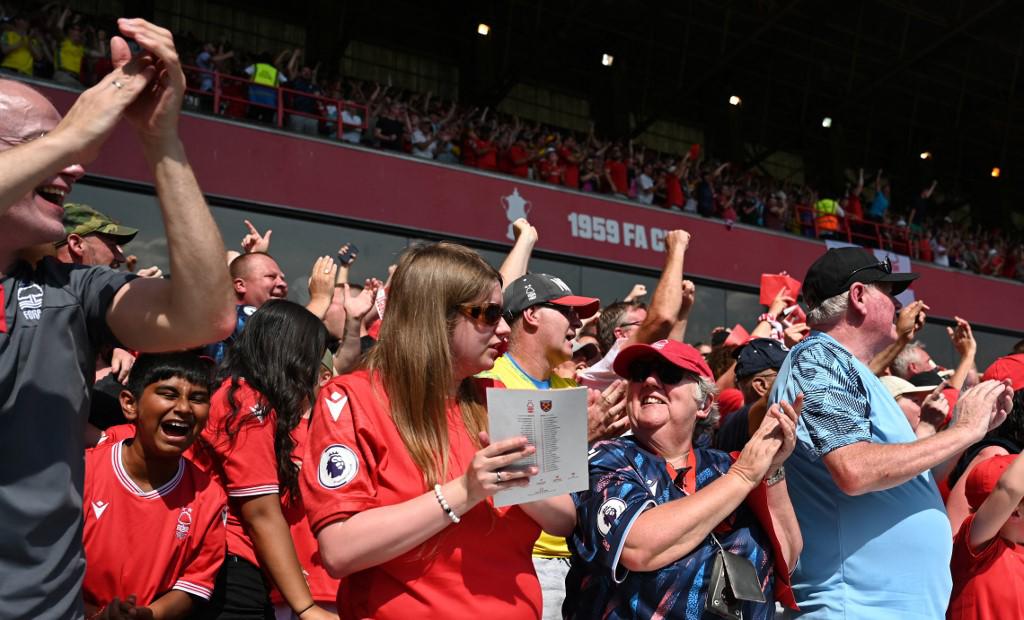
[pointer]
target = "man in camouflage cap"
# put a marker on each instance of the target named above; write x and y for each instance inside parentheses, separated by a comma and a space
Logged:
(92, 238)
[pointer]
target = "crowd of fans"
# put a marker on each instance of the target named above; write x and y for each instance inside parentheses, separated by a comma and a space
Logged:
(255, 458)
(54, 42)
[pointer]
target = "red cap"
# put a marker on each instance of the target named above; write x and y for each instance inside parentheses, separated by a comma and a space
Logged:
(1008, 367)
(672, 351)
(983, 478)
(729, 400)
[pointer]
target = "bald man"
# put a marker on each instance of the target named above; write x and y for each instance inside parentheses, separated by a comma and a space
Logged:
(56, 315)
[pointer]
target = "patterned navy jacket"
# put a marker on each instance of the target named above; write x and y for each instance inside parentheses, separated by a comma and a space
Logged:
(625, 480)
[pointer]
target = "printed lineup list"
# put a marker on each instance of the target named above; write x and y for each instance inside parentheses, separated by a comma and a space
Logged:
(553, 421)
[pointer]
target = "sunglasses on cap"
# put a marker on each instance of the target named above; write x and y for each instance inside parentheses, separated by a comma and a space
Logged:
(668, 374)
(885, 266)
(487, 314)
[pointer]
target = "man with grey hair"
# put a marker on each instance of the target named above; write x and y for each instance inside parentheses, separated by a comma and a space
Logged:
(877, 537)
(912, 360)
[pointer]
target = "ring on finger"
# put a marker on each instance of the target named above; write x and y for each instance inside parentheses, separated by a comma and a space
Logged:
(118, 85)
(498, 477)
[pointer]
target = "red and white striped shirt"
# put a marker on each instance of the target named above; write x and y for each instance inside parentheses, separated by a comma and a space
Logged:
(147, 543)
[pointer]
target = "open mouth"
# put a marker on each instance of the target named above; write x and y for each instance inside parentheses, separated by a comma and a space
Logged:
(175, 428)
(52, 194)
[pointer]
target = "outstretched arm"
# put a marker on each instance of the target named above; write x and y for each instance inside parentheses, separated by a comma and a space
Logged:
(517, 262)
(196, 306)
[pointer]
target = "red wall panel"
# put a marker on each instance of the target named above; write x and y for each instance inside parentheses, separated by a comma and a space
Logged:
(275, 168)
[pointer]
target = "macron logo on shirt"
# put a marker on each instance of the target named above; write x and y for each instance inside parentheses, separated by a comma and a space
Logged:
(335, 404)
(98, 508)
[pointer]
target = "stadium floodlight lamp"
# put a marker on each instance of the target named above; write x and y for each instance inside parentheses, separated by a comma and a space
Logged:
(483, 29)
(826, 122)
(734, 100)
(926, 154)
(607, 59)
(996, 172)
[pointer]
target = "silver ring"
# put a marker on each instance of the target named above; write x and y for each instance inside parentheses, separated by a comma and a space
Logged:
(117, 85)
(497, 476)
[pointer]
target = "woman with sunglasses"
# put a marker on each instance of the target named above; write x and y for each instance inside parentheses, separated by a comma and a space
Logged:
(400, 470)
(659, 510)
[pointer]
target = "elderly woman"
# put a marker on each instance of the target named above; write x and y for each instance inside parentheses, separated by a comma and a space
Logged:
(659, 511)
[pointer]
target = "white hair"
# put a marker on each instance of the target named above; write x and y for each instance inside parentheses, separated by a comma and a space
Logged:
(906, 357)
(706, 389)
(830, 310)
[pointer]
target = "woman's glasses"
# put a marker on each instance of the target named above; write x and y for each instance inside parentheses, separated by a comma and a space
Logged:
(668, 374)
(487, 314)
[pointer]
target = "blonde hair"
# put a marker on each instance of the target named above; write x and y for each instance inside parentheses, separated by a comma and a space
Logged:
(413, 357)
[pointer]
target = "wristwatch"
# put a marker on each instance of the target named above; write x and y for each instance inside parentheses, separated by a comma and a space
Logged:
(777, 477)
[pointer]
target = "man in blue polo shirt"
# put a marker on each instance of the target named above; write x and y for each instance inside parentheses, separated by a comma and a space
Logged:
(877, 540)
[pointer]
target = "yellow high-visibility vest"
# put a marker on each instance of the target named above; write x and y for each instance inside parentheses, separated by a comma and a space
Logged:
(264, 74)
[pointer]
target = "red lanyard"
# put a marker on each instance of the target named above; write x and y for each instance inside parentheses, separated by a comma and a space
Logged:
(3, 312)
(689, 474)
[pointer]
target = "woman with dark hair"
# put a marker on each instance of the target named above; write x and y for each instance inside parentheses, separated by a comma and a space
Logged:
(401, 472)
(271, 373)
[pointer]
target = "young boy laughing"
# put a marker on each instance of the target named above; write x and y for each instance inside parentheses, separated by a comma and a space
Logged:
(154, 522)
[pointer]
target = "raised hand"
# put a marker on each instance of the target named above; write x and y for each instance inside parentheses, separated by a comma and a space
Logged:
(963, 338)
(983, 408)
(606, 412)
(911, 318)
(154, 113)
(254, 241)
(638, 291)
(357, 306)
(522, 227)
(783, 299)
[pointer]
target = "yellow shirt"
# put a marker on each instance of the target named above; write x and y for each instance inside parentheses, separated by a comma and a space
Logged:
(70, 56)
(20, 59)
(513, 377)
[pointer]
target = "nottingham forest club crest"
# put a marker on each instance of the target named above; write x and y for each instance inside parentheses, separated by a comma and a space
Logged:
(545, 406)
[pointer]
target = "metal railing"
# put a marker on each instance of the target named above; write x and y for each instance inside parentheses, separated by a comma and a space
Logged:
(231, 96)
(898, 239)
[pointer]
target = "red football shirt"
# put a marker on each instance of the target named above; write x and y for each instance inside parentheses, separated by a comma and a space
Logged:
(245, 463)
(988, 584)
(518, 153)
(489, 159)
(617, 171)
(550, 172)
(673, 191)
(322, 586)
(147, 543)
(479, 568)
(571, 171)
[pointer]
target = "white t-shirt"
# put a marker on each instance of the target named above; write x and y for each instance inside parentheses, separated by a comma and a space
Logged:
(645, 193)
(352, 127)
(418, 139)
(601, 375)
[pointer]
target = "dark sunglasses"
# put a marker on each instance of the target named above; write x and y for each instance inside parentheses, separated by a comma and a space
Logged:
(487, 314)
(885, 266)
(668, 374)
(567, 311)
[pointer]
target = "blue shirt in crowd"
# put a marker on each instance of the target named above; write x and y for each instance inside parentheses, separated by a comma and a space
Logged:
(883, 554)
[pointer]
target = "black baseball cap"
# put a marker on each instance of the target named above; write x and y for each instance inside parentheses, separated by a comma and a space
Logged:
(758, 355)
(541, 288)
(928, 378)
(837, 269)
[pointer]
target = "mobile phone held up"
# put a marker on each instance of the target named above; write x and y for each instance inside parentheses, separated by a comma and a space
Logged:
(345, 258)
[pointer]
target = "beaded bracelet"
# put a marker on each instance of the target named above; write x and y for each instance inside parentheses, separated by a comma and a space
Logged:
(444, 504)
